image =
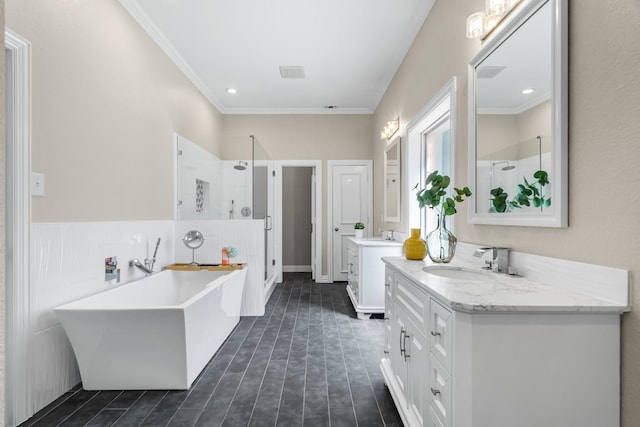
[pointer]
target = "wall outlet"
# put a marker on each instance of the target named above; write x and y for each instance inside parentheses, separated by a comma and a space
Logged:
(37, 184)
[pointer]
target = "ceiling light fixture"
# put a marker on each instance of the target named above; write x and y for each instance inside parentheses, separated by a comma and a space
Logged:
(390, 129)
(480, 24)
(528, 91)
(231, 90)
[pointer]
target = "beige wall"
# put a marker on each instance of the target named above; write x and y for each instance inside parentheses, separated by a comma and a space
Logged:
(106, 102)
(513, 137)
(305, 137)
(604, 94)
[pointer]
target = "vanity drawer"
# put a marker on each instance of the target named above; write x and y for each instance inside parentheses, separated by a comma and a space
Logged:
(440, 333)
(412, 300)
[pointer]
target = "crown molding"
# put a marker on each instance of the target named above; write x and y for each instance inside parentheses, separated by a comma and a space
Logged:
(156, 35)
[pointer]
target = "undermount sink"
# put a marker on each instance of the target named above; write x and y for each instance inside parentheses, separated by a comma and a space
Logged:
(459, 273)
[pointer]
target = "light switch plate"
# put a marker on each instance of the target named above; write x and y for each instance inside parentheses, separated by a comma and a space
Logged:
(37, 184)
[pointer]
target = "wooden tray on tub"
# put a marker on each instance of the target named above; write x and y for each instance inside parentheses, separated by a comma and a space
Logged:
(210, 267)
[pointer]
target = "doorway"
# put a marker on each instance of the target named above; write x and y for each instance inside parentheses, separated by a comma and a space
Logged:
(297, 223)
(298, 217)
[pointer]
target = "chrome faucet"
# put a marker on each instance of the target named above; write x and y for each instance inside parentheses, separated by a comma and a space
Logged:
(388, 235)
(147, 267)
(499, 258)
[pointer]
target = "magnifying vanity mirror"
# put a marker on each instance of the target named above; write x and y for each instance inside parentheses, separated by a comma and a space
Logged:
(518, 120)
(392, 181)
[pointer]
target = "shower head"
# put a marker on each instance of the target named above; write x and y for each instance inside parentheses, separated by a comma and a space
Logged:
(241, 166)
(508, 167)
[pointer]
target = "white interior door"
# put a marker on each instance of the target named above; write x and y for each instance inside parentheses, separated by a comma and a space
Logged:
(350, 203)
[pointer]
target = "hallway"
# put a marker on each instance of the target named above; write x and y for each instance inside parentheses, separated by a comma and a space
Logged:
(307, 362)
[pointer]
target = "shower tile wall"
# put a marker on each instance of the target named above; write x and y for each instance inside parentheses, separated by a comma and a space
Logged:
(236, 192)
(67, 263)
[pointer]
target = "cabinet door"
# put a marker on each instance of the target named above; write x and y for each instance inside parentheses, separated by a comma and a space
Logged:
(434, 421)
(417, 357)
(389, 284)
(440, 389)
(396, 353)
(388, 324)
(352, 272)
(389, 278)
(441, 333)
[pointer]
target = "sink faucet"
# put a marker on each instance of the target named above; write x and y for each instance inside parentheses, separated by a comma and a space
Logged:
(147, 267)
(499, 260)
(388, 235)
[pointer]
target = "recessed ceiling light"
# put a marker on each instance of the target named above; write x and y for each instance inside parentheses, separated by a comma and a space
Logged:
(231, 90)
(528, 91)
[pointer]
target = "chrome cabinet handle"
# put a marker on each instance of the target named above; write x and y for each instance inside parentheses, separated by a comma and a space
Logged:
(406, 355)
(435, 392)
(435, 334)
(387, 284)
(402, 332)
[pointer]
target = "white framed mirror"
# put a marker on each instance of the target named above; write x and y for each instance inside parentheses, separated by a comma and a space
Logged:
(518, 120)
(392, 181)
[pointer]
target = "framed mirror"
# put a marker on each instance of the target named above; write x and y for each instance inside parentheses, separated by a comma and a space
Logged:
(518, 120)
(392, 181)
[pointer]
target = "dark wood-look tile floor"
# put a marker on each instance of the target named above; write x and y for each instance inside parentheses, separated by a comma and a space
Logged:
(307, 362)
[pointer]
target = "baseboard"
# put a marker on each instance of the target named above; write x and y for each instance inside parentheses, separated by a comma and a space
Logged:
(323, 279)
(296, 269)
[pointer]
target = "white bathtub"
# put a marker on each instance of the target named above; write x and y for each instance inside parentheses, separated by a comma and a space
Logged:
(155, 333)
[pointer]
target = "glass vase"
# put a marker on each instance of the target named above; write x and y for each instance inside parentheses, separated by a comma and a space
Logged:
(414, 246)
(441, 242)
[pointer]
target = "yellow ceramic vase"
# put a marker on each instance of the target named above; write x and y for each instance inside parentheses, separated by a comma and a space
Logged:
(414, 246)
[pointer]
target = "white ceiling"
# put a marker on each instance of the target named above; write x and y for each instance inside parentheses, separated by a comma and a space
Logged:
(350, 49)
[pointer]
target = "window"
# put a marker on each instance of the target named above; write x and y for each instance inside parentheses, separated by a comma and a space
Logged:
(430, 147)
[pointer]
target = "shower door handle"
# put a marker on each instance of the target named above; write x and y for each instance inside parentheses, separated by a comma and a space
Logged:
(268, 222)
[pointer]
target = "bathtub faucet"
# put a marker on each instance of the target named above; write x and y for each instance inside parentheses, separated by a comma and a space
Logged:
(147, 267)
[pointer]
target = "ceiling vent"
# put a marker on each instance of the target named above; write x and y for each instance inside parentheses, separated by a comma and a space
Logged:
(489, 71)
(291, 72)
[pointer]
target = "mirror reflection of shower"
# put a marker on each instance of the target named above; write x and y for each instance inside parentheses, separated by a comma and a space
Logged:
(241, 166)
(508, 167)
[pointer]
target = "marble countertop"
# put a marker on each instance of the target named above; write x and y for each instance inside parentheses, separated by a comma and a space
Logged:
(375, 241)
(500, 292)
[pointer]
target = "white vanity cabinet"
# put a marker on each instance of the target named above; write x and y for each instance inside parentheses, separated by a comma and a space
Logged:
(450, 366)
(366, 275)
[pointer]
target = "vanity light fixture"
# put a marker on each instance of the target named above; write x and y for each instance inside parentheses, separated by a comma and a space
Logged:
(390, 129)
(231, 90)
(480, 24)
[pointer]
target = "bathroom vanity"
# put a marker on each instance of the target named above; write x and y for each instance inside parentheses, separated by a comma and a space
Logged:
(466, 347)
(366, 273)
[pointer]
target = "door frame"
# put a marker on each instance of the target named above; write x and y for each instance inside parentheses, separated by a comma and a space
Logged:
(316, 236)
(18, 381)
(330, 165)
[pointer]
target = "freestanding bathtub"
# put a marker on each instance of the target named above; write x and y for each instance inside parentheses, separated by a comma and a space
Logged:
(155, 333)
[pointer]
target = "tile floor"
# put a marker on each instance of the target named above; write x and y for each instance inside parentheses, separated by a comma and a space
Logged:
(307, 362)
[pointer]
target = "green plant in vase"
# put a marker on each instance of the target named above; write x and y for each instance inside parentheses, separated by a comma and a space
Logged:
(359, 229)
(441, 242)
